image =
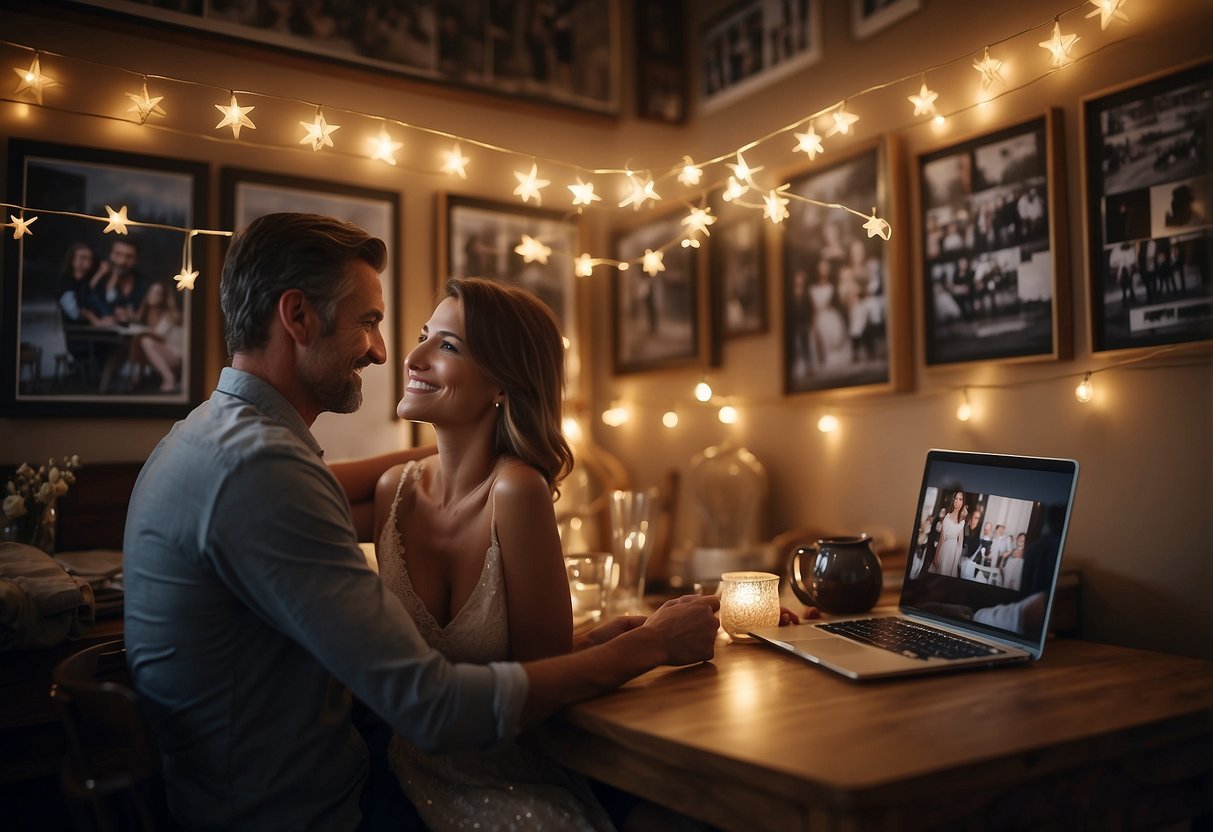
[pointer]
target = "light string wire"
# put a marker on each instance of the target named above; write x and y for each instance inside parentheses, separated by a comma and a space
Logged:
(586, 261)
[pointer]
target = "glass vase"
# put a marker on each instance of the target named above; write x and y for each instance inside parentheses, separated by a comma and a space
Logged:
(45, 530)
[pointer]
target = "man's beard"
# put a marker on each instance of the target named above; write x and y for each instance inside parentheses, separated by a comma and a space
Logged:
(333, 393)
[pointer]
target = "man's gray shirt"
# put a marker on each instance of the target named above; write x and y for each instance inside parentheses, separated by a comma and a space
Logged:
(250, 610)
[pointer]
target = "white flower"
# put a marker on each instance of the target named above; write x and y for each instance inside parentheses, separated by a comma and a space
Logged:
(53, 476)
(46, 493)
(14, 506)
(25, 472)
(60, 488)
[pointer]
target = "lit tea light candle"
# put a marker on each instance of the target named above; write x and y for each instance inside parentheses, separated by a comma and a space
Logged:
(748, 601)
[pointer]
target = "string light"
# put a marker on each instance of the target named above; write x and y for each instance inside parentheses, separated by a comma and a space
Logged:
(742, 170)
(615, 415)
(583, 193)
(145, 105)
(384, 147)
(1085, 391)
(21, 226)
(924, 102)
(33, 80)
(1107, 11)
(670, 419)
(727, 415)
(653, 262)
(776, 205)
(318, 132)
(453, 161)
(532, 250)
(828, 423)
(571, 428)
(698, 220)
(583, 266)
(843, 120)
(1059, 46)
(691, 174)
(734, 190)
(990, 69)
(529, 185)
(235, 116)
(965, 412)
(876, 227)
(118, 221)
(809, 143)
(642, 191)
(703, 391)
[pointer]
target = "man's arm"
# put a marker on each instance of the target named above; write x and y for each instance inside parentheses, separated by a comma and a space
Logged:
(358, 478)
(682, 631)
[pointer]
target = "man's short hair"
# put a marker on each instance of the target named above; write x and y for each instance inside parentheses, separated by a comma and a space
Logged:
(278, 252)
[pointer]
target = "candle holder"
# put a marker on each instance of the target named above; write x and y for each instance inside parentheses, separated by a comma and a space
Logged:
(748, 601)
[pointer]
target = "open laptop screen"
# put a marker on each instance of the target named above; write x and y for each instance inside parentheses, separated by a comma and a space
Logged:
(986, 546)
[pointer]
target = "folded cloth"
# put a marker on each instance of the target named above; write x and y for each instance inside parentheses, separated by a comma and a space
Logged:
(40, 603)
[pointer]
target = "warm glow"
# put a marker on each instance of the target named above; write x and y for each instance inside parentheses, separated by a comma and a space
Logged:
(318, 132)
(827, 423)
(809, 143)
(642, 190)
(1059, 46)
(383, 147)
(653, 262)
(1107, 11)
(21, 226)
(924, 102)
(742, 171)
(571, 428)
(117, 220)
(453, 161)
(843, 120)
(529, 185)
(703, 391)
(690, 173)
(748, 601)
(1085, 391)
(776, 205)
(583, 193)
(531, 250)
(615, 415)
(727, 415)
(965, 411)
(670, 419)
(235, 116)
(145, 105)
(733, 190)
(990, 69)
(583, 266)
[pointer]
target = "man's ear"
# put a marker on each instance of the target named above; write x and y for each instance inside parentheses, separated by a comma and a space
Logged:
(298, 316)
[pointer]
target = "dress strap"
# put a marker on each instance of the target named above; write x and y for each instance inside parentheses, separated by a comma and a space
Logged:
(413, 470)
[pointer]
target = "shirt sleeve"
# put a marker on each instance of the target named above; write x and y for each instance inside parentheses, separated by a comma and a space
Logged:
(282, 540)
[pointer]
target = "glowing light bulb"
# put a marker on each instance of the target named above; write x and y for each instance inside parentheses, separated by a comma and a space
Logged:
(235, 116)
(571, 428)
(703, 391)
(653, 262)
(1107, 11)
(529, 185)
(924, 102)
(939, 121)
(615, 415)
(827, 423)
(453, 161)
(21, 226)
(1085, 391)
(117, 220)
(690, 173)
(384, 147)
(809, 143)
(965, 412)
(727, 415)
(776, 205)
(583, 266)
(1059, 46)
(670, 419)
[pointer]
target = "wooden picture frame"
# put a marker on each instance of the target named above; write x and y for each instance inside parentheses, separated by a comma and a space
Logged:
(1149, 210)
(248, 194)
(846, 306)
(753, 44)
(659, 320)
(566, 54)
(737, 276)
(871, 16)
(84, 346)
(478, 238)
(993, 255)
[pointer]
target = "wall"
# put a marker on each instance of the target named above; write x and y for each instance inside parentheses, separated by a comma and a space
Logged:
(1144, 513)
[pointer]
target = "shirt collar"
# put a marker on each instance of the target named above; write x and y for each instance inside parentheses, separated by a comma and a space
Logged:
(266, 398)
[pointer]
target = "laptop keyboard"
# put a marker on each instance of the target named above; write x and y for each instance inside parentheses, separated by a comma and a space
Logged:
(910, 639)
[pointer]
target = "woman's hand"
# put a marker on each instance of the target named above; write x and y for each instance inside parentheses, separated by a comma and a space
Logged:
(605, 632)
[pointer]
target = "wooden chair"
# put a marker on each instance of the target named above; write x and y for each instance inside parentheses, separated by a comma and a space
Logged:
(111, 771)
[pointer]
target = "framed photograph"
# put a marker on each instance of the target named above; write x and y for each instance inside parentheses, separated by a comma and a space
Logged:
(479, 240)
(563, 53)
(94, 324)
(661, 70)
(737, 276)
(995, 263)
(248, 194)
(659, 317)
(753, 44)
(871, 16)
(1149, 211)
(846, 311)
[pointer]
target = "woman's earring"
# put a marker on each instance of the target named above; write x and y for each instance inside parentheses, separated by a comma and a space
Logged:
(497, 405)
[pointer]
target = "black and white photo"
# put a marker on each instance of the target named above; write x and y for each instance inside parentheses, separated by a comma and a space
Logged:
(836, 280)
(737, 271)
(992, 276)
(1150, 212)
(94, 321)
(656, 313)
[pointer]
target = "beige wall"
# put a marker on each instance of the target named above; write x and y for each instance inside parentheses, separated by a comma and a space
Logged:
(1144, 516)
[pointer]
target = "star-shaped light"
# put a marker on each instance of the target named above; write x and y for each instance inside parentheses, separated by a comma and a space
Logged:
(185, 279)
(453, 161)
(653, 262)
(698, 220)
(1059, 46)
(843, 120)
(776, 209)
(234, 115)
(990, 69)
(924, 102)
(532, 250)
(117, 220)
(1107, 10)
(809, 142)
(642, 189)
(875, 226)
(742, 171)
(21, 226)
(690, 173)
(384, 147)
(733, 190)
(145, 105)
(33, 80)
(319, 132)
(529, 184)
(583, 193)
(583, 266)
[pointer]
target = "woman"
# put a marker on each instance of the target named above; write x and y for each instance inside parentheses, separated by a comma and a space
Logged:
(951, 536)
(73, 286)
(468, 539)
(1012, 572)
(159, 344)
(972, 555)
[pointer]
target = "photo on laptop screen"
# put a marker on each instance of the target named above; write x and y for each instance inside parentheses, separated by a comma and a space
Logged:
(985, 549)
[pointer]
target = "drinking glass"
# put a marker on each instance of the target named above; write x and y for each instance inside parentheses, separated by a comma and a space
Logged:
(633, 516)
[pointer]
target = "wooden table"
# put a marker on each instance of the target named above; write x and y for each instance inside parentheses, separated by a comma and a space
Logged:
(1092, 736)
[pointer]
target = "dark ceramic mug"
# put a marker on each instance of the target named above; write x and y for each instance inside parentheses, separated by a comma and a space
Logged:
(839, 575)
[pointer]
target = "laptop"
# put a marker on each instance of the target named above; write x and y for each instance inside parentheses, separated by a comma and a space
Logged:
(967, 599)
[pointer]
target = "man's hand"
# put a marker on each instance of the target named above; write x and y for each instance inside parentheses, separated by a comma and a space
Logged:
(686, 628)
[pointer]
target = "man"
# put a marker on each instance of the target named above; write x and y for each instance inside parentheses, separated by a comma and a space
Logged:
(249, 607)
